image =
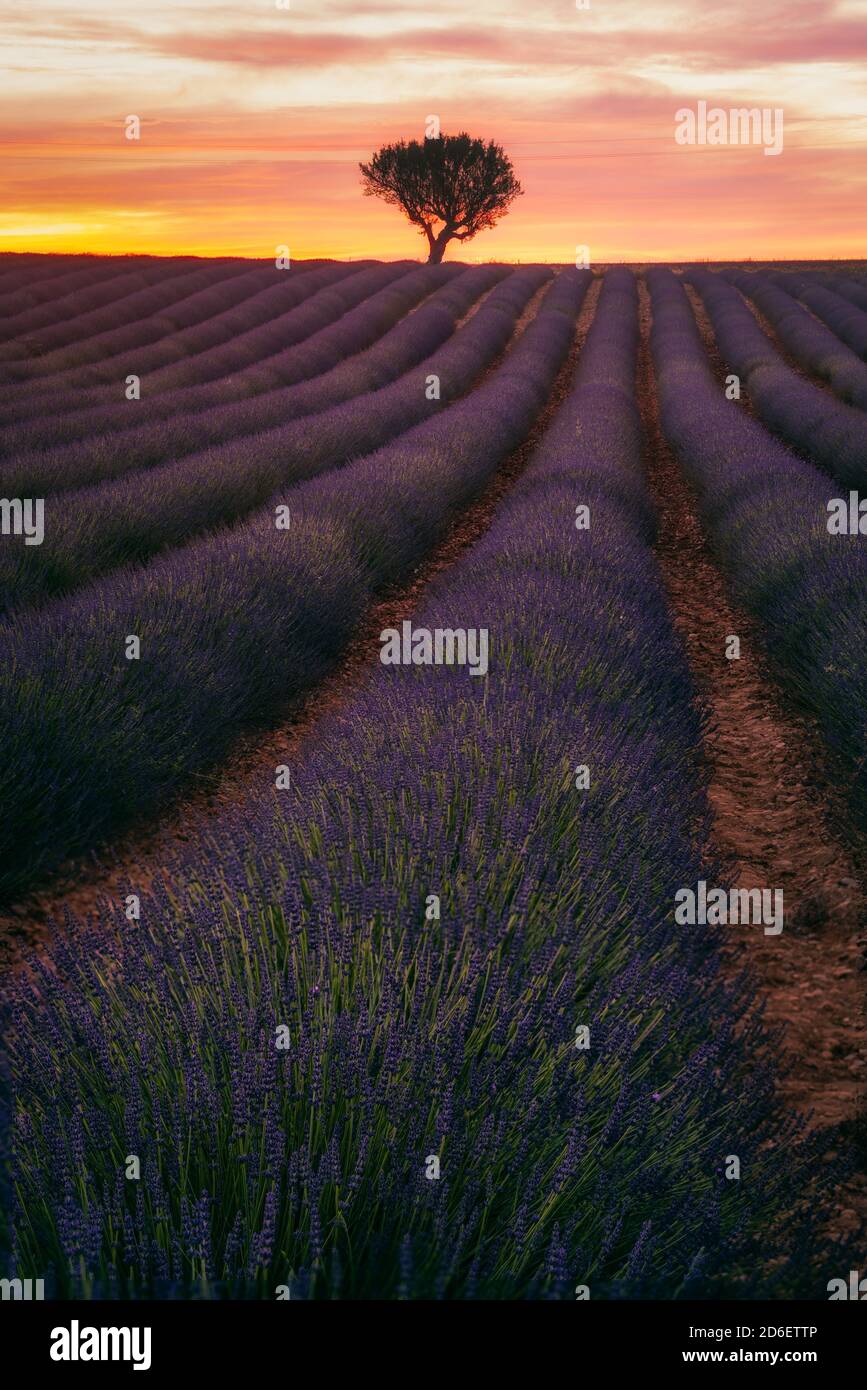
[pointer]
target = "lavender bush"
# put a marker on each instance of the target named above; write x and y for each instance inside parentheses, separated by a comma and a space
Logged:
(143, 316)
(97, 529)
(451, 1037)
(812, 344)
(187, 356)
(766, 513)
(53, 296)
(853, 290)
(819, 426)
(204, 342)
(93, 445)
(31, 278)
(842, 317)
(240, 624)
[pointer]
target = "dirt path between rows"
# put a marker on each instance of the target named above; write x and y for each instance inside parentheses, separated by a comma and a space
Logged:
(771, 816)
(140, 855)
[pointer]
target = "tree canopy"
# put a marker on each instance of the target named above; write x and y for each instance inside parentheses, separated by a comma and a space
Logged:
(449, 186)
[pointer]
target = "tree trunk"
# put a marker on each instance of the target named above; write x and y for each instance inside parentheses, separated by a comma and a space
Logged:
(438, 245)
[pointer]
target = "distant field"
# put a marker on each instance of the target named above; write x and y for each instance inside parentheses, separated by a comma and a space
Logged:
(223, 485)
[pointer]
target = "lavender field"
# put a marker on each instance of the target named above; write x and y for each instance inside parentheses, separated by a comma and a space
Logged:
(434, 789)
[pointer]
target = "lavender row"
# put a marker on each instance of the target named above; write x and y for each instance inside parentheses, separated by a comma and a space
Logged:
(23, 273)
(819, 426)
(845, 319)
(61, 278)
(147, 314)
(200, 352)
(94, 293)
(20, 268)
(768, 516)
(239, 624)
(431, 914)
(812, 344)
(97, 529)
(853, 290)
(94, 445)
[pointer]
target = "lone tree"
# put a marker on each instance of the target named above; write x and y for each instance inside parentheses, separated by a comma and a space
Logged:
(451, 179)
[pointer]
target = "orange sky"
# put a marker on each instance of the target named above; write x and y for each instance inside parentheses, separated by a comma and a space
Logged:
(254, 118)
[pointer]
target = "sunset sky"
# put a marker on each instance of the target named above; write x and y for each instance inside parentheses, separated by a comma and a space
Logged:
(254, 119)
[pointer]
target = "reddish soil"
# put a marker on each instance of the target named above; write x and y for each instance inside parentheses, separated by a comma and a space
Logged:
(773, 815)
(140, 855)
